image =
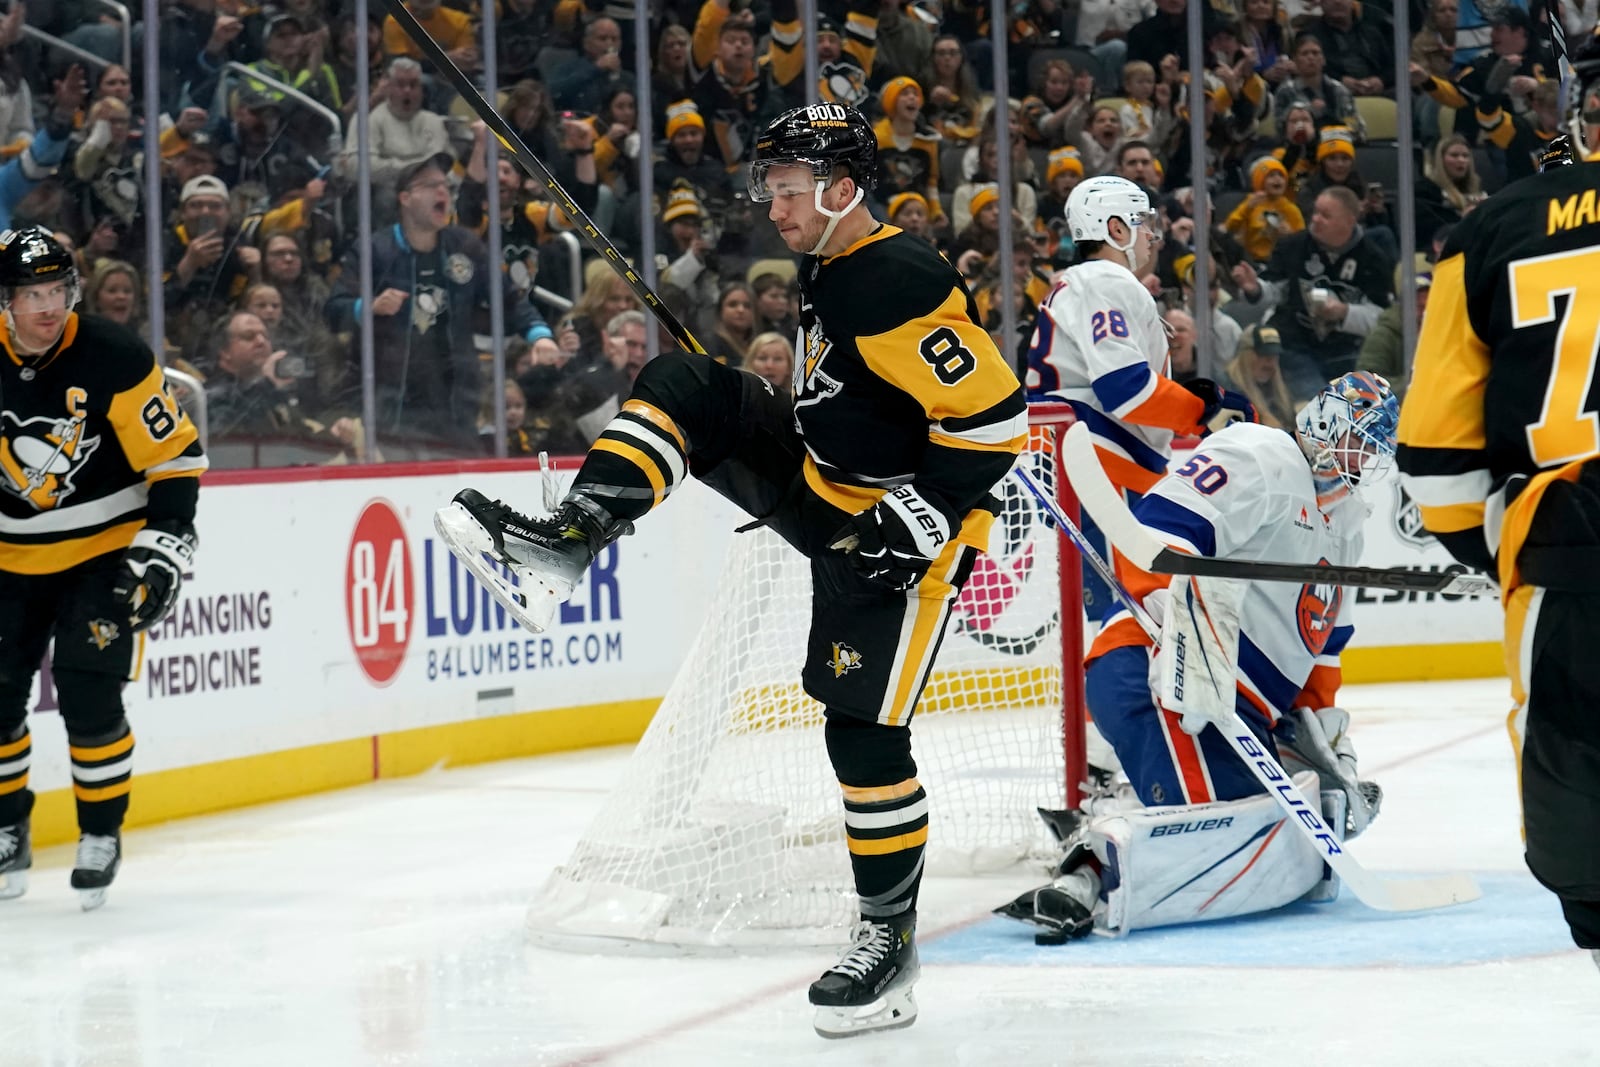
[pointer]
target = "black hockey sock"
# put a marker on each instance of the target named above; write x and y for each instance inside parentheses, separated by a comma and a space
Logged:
(886, 828)
(16, 753)
(102, 777)
(638, 459)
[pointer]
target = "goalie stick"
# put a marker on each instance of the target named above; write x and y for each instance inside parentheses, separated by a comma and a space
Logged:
(536, 170)
(1381, 894)
(1145, 551)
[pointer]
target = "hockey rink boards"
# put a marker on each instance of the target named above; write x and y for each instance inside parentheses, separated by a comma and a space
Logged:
(384, 925)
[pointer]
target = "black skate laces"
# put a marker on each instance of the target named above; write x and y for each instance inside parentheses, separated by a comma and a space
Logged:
(873, 944)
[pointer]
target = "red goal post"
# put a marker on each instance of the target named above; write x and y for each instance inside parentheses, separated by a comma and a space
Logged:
(1048, 421)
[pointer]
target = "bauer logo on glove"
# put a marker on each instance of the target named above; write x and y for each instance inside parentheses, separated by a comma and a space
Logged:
(895, 541)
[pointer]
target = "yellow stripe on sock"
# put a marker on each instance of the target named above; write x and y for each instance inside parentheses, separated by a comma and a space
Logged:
(14, 786)
(14, 748)
(100, 752)
(108, 792)
(878, 794)
(638, 458)
(657, 418)
(882, 846)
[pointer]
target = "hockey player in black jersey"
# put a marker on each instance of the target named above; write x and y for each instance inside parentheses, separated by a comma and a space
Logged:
(99, 475)
(1500, 446)
(879, 470)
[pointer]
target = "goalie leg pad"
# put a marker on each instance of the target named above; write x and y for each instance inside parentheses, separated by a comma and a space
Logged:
(1165, 764)
(1199, 862)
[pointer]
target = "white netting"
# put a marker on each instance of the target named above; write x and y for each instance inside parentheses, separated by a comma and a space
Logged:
(728, 827)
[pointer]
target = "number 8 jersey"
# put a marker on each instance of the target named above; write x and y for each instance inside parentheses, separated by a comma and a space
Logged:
(1100, 345)
(896, 383)
(87, 430)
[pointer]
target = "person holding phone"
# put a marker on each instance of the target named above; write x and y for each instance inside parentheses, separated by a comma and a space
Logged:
(210, 264)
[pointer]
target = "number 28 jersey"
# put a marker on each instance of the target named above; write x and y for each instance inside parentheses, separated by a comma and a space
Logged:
(895, 382)
(1101, 346)
(85, 430)
(1503, 398)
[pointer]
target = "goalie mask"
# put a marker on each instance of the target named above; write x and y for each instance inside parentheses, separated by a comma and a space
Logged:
(1347, 432)
(819, 138)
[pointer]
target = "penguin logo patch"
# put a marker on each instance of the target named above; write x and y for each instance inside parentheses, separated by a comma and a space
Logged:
(40, 456)
(845, 659)
(102, 633)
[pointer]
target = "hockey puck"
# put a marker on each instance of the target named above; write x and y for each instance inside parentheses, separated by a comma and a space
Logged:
(1051, 939)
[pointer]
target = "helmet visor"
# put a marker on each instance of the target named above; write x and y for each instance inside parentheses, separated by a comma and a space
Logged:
(58, 295)
(771, 178)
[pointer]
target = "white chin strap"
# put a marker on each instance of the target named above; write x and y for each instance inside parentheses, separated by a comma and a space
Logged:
(1127, 249)
(833, 216)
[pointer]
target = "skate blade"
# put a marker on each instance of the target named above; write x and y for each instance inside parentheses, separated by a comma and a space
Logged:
(13, 884)
(896, 1009)
(90, 899)
(530, 600)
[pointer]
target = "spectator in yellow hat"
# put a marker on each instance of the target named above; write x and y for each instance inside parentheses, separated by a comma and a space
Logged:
(1267, 213)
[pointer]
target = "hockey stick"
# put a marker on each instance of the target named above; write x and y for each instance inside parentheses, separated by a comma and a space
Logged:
(1381, 894)
(1145, 551)
(536, 170)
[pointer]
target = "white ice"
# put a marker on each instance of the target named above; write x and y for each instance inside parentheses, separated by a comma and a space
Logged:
(384, 925)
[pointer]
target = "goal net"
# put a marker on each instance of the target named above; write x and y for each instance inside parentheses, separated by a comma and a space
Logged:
(727, 829)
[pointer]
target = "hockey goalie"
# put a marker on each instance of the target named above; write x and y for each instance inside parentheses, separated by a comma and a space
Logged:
(1190, 835)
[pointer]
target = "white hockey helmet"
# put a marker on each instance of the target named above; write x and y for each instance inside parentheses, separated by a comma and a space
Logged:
(1094, 202)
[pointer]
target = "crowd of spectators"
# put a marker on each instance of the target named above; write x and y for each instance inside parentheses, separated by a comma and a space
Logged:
(260, 161)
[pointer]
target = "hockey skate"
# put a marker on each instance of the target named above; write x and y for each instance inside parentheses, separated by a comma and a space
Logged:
(16, 856)
(93, 871)
(529, 566)
(1064, 909)
(870, 988)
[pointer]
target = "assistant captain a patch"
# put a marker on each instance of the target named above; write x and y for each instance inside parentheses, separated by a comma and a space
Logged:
(845, 660)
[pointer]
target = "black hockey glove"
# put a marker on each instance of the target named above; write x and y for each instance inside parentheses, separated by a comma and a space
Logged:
(152, 572)
(1222, 405)
(896, 540)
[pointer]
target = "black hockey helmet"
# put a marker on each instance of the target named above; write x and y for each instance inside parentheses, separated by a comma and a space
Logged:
(1582, 93)
(822, 137)
(32, 256)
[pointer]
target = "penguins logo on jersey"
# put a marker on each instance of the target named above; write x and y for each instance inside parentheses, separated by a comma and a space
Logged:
(810, 383)
(845, 660)
(1317, 614)
(843, 83)
(40, 456)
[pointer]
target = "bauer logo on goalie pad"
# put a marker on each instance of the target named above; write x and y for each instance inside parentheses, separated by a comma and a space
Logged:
(1198, 826)
(845, 659)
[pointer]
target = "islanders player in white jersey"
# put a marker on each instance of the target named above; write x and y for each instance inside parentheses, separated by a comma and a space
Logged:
(1100, 344)
(1204, 841)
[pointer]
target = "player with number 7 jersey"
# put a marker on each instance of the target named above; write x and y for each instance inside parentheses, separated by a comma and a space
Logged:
(1500, 448)
(1100, 344)
(99, 477)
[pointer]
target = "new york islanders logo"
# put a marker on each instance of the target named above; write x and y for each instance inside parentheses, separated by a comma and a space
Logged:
(39, 457)
(1317, 614)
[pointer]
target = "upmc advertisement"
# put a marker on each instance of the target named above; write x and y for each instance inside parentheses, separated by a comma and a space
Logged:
(325, 609)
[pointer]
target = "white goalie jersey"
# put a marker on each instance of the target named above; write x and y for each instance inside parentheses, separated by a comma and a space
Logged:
(1246, 493)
